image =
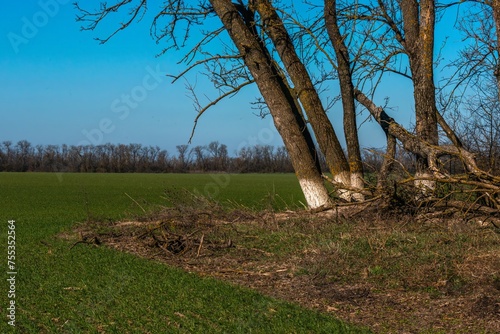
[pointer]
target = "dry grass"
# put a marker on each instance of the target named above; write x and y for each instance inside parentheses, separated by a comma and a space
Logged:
(394, 273)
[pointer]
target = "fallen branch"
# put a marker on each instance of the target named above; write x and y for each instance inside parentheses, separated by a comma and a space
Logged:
(87, 240)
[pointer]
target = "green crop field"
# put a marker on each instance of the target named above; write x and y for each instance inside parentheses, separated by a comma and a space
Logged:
(99, 290)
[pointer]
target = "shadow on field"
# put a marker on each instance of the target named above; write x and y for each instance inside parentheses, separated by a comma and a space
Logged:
(393, 272)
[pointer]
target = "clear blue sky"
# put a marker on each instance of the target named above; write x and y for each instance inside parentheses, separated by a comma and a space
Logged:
(59, 86)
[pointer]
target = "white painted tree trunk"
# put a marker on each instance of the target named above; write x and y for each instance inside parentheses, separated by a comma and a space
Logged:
(316, 194)
(357, 183)
(425, 188)
(344, 179)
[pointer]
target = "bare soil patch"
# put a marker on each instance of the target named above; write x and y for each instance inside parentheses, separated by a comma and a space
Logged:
(394, 273)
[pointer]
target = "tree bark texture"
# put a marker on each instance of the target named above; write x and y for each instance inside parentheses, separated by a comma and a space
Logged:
(414, 144)
(419, 21)
(347, 93)
(305, 91)
(418, 41)
(495, 5)
(287, 119)
(387, 164)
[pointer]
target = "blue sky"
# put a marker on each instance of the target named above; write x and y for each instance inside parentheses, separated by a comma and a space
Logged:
(59, 86)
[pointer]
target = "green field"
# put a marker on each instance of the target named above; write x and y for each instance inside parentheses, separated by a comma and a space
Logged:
(99, 290)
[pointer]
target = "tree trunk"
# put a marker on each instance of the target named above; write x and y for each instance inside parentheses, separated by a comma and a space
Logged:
(305, 91)
(415, 144)
(419, 23)
(387, 164)
(287, 119)
(347, 93)
(495, 5)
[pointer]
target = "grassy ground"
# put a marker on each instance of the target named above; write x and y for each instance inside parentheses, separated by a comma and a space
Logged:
(60, 289)
(391, 270)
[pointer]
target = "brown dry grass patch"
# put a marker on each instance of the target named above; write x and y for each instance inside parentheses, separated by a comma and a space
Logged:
(394, 273)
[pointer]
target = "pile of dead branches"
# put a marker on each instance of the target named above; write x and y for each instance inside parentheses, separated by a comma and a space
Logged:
(179, 244)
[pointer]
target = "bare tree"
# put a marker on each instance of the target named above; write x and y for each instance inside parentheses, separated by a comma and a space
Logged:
(218, 156)
(182, 158)
(282, 105)
(199, 158)
(345, 76)
(406, 27)
(7, 156)
(262, 44)
(479, 124)
(307, 94)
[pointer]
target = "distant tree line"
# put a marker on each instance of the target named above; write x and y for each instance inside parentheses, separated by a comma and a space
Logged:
(214, 157)
(137, 158)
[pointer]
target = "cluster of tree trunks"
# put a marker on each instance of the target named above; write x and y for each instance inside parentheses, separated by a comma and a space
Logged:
(361, 41)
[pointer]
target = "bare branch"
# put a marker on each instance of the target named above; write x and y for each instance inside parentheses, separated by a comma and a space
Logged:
(201, 110)
(97, 17)
(202, 62)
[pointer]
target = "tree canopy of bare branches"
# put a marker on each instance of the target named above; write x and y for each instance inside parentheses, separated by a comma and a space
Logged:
(298, 52)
